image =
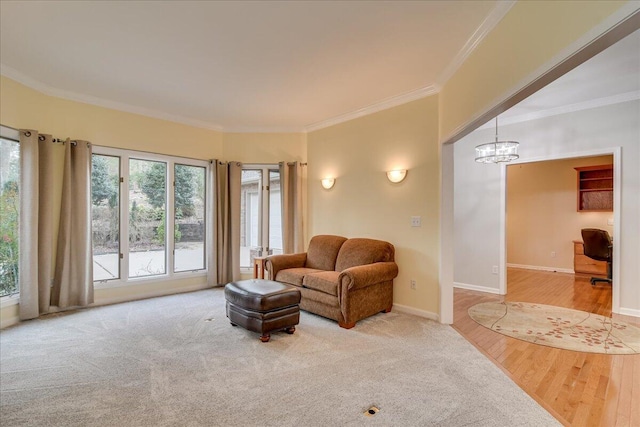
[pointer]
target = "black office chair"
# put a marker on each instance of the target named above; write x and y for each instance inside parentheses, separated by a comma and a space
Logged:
(598, 246)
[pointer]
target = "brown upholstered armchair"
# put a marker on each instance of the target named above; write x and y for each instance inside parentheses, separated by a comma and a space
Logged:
(342, 279)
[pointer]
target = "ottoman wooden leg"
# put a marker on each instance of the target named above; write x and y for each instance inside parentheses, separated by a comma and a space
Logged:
(290, 330)
(265, 337)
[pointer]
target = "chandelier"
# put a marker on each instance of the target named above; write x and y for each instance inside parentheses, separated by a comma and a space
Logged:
(498, 151)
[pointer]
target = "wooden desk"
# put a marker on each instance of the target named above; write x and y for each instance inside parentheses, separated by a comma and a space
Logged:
(582, 264)
(258, 267)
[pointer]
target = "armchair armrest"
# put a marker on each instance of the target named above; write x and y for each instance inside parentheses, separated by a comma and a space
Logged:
(362, 276)
(275, 263)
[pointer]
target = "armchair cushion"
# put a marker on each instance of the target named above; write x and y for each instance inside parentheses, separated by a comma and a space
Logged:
(363, 251)
(323, 251)
(294, 276)
(325, 281)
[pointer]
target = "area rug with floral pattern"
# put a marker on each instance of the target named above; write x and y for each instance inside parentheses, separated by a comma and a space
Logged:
(558, 327)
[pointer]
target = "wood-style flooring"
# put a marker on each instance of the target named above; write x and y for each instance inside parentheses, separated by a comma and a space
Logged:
(579, 389)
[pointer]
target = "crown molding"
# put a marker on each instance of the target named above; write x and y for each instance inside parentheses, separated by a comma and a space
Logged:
(394, 101)
(499, 11)
(495, 16)
(571, 108)
(264, 129)
(37, 85)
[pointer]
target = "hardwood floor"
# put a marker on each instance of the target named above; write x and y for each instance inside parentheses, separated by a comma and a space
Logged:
(579, 389)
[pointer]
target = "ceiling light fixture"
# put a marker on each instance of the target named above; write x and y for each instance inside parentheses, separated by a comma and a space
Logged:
(498, 151)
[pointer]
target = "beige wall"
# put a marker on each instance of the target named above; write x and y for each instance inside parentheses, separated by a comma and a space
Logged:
(358, 152)
(265, 147)
(363, 203)
(541, 212)
(25, 108)
(529, 37)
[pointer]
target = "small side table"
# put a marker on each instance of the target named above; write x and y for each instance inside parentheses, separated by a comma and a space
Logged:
(258, 267)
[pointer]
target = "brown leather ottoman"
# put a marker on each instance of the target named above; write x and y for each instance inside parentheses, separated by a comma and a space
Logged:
(263, 306)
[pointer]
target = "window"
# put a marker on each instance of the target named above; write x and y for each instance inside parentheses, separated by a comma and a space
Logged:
(105, 216)
(147, 218)
(189, 196)
(261, 219)
(160, 217)
(9, 211)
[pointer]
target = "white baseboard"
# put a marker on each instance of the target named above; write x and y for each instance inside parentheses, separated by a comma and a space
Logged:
(416, 312)
(476, 288)
(630, 312)
(9, 322)
(541, 268)
(152, 294)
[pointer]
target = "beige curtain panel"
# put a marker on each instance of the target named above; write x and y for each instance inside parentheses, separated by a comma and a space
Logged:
(37, 213)
(73, 281)
(36, 223)
(293, 198)
(224, 248)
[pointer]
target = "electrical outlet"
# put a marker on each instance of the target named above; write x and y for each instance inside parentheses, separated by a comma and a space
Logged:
(416, 221)
(609, 221)
(553, 254)
(413, 284)
(494, 269)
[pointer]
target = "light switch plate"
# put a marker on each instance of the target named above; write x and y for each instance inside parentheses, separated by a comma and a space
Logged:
(416, 221)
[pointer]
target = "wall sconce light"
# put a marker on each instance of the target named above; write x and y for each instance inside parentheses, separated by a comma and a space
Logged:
(396, 175)
(327, 183)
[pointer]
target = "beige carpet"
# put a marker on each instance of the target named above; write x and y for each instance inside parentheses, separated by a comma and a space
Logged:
(176, 361)
(558, 327)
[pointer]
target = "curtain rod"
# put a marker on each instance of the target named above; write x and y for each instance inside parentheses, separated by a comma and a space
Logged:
(62, 141)
(222, 162)
(150, 152)
(54, 140)
(58, 140)
(40, 137)
(262, 165)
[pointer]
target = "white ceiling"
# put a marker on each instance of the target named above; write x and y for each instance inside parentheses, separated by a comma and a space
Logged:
(274, 66)
(241, 66)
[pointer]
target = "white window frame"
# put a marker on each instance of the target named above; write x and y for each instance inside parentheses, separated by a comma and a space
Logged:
(263, 200)
(13, 135)
(171, 161)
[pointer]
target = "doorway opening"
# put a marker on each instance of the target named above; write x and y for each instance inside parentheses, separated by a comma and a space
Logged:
(542, 230)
